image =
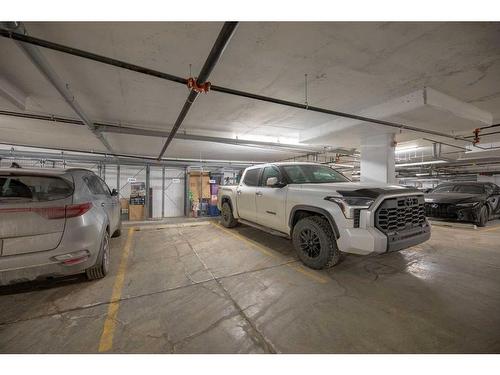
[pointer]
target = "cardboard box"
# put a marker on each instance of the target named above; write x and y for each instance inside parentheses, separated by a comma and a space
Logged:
(124, 203)
(136, 212)
(199, 183)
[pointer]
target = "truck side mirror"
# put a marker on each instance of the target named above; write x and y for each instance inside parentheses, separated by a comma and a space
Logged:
(272, 181)
(114, 193)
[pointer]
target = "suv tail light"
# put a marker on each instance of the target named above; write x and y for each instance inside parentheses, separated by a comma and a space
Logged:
(68, 211)
(75, 210)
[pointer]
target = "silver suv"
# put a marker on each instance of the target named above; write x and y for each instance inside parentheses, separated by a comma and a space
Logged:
(54, 223)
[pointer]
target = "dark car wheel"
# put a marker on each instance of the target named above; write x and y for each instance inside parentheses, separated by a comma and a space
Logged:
(315, 243)
(482, 217)
(118, 232)
(101, 267)
(227, 218)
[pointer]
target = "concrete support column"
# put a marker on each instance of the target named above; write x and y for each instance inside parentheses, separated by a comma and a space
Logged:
(187, 203)
(147, 206)
(377, 158)
(118, 179)
(163, 192)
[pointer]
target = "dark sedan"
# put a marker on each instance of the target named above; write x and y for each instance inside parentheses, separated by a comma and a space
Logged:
(475, 202)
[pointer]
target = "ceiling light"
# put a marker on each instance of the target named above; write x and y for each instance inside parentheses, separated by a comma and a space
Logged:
(407, 149)
(341, 165)
(421, 163)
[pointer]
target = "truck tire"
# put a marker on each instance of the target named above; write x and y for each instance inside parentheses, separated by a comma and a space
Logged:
(227, 218)
(483, 217)
(101, 268)
(315, 243)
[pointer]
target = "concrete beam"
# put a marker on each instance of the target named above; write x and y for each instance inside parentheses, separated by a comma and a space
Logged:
(13, 94)
(390, 108)
(456, 106)
(422, 98)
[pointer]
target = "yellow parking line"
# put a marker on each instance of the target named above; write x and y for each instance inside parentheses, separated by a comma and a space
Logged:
(106, 342)
(257, 245)
(490, 229)
(316, 276)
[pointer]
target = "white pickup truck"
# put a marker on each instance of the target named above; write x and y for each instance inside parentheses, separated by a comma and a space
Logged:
(323, 212)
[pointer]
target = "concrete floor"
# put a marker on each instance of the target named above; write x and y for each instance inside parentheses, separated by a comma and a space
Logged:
(200, 288)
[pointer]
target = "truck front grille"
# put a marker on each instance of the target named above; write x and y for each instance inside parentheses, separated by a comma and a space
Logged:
(400, 214)
(357, 213)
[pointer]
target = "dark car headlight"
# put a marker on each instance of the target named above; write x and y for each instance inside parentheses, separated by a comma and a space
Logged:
(349, 204)
(466, 205)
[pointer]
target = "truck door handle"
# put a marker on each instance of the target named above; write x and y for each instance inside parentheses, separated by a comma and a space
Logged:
(238, 192)
(103, 204)
(258, 193)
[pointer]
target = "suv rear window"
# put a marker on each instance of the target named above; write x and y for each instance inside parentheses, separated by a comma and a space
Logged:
(33, 188)
(95, 185)
(252, 177)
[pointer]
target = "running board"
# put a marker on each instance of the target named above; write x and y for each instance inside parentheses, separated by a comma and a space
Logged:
(264, 229)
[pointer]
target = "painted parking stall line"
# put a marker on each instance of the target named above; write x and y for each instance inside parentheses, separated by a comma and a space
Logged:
(108, 330)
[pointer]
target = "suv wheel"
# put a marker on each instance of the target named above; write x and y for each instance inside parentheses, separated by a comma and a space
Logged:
(483, 217)
(227, 218)
(101, 267)
(315, 243)
(118, 232)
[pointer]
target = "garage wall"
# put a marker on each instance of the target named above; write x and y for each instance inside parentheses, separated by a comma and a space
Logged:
(174, 181)
(495, 179)
(174, 191)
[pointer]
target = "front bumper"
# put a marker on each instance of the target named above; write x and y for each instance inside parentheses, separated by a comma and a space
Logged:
(394, 222)
(365, 241)
(452, 212)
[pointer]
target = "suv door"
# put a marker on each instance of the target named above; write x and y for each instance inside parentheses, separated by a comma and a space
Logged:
(270, 201)
(245, 194)
(101, 197)
(113, 203)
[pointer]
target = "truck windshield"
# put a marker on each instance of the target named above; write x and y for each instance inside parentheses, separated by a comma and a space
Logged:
(313, 174)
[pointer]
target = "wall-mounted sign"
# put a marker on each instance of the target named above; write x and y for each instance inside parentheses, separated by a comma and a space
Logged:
(212, 181)
(176, 180)
(131, 179)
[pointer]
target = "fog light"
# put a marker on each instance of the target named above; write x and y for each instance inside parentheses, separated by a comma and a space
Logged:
(73, 258)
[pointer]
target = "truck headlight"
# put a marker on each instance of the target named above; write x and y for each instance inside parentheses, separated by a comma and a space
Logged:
(468, 204)
(349, 204)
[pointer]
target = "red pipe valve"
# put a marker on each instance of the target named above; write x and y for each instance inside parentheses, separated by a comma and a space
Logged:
(476, 136)
(193, 85)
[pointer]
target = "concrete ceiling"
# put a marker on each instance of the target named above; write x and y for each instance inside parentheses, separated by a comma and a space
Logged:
(350, 67)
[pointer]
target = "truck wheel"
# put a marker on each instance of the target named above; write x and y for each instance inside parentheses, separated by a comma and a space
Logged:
(315, 243)
(227, 218)
(483, 217)
(101, 267)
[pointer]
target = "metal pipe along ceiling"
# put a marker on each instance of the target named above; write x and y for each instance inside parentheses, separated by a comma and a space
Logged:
(41, 63)
(218, 48)
(221, 89)
(120, 129)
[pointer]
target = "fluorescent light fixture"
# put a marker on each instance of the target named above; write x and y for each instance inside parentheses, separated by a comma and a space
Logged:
(341, 165)
(407, 149)
(421, 163)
